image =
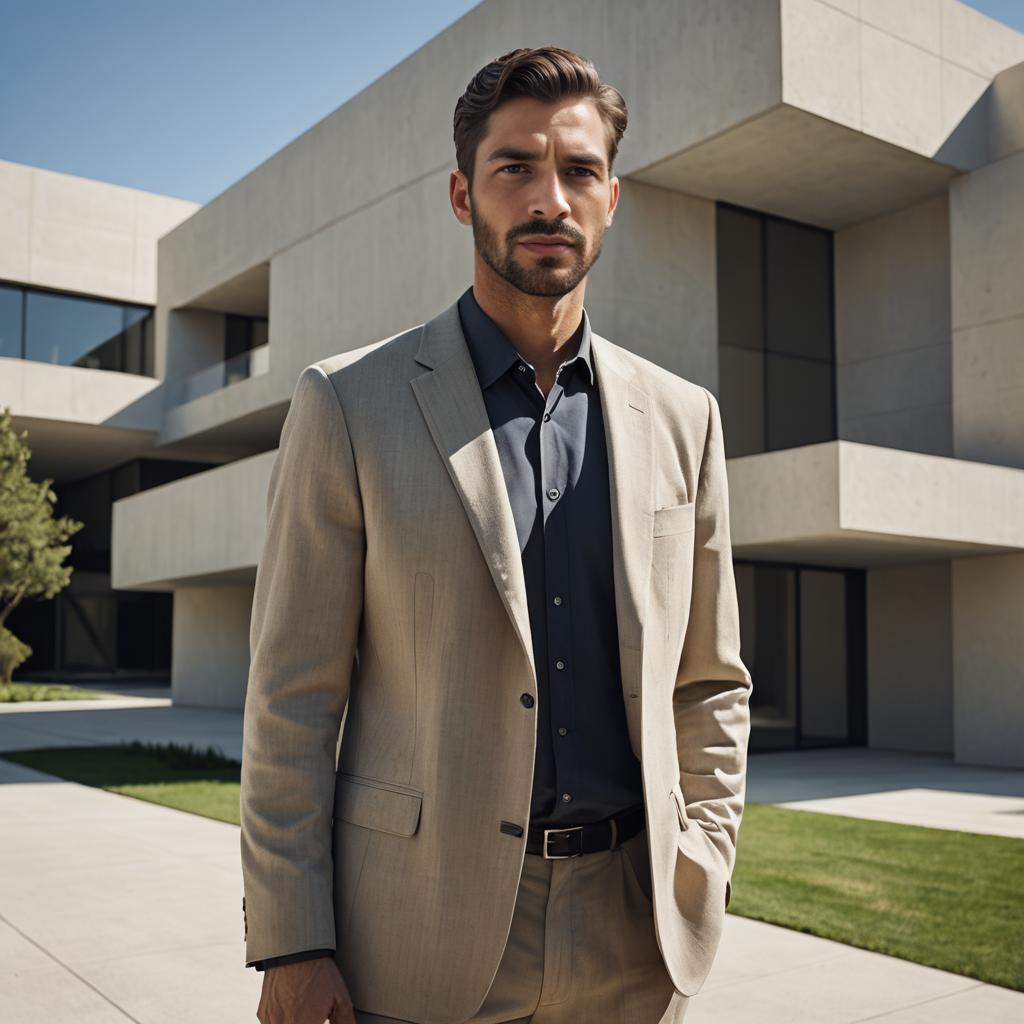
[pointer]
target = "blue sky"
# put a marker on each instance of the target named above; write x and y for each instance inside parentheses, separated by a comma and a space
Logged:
(186, 97)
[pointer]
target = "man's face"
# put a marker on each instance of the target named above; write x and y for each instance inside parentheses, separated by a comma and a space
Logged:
(542, 169)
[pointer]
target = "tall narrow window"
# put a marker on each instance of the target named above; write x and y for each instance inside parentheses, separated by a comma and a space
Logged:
(776, 340)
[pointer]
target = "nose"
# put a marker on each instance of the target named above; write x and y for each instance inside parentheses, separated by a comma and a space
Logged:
(547, 201)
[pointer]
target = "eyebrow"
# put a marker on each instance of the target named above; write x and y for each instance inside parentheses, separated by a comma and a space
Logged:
(515, 153)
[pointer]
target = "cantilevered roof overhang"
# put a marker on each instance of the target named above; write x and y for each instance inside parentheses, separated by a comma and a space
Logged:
(793, 163)
(842, 503)
(839, 503)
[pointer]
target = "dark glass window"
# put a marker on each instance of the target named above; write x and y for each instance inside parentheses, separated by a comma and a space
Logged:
(242, 334)
(11, 302)
(63, 329)
(72, 330)
(775, 331)
(89, 626)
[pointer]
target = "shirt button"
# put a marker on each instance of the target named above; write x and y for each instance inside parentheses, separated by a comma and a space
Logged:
(526, 700)
(559, 664)
(553, 493)
(562, 730)
(558, 600)
(566, 797)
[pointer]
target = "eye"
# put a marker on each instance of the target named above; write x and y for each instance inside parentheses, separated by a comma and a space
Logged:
(585, 170)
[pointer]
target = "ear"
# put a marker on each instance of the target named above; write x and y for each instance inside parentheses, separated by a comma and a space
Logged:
(613, 200)
(458, 196)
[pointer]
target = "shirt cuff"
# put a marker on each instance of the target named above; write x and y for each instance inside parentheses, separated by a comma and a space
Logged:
(290, 958)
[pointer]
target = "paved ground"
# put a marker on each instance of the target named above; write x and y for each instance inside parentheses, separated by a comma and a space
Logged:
(114, 910)
(915, 789)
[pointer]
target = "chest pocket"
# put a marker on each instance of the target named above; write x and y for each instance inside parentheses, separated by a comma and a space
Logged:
(672, 568)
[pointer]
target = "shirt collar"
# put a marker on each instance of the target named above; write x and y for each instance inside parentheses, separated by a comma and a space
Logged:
(493, 353)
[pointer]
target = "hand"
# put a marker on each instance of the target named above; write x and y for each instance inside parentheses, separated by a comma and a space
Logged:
(305, 992)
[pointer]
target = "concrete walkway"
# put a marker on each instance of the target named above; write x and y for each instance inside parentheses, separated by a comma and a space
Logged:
(915, 789)
(113, 909)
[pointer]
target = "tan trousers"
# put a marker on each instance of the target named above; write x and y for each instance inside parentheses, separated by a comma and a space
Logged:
(582, 948)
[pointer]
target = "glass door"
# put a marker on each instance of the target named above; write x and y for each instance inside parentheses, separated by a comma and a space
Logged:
(802, 638)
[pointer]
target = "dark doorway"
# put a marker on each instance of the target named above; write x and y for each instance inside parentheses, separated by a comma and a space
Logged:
(803, 640)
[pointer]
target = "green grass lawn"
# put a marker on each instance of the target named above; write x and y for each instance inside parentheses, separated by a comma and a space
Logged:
(48, 691)
(952, 900)
(200, 782)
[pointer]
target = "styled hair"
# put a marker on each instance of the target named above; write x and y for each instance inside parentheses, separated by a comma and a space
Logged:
(548, 73)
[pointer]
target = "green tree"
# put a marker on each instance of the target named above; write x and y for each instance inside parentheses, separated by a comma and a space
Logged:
(31, 541)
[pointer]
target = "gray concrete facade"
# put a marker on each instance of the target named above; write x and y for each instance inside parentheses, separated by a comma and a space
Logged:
(896, 128)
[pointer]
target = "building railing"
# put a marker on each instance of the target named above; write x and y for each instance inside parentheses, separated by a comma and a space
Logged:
(219, 375)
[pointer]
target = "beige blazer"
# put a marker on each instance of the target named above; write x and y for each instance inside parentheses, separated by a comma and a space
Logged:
(391, 582)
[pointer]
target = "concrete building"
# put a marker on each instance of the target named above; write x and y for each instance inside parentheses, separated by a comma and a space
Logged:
(77, 370)
(821, 220)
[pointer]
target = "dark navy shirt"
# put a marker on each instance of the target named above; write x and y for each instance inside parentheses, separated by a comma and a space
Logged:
(554, 459)
(555, 463)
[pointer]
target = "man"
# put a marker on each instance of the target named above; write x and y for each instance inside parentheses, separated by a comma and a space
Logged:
(502, 542)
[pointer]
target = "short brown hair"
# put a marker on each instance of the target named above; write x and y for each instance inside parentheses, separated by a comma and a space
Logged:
(547, 73)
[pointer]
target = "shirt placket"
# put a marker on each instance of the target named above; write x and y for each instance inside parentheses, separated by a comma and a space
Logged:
(553, 479)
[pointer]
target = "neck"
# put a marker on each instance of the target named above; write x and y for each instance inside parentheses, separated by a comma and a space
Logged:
(541, 327)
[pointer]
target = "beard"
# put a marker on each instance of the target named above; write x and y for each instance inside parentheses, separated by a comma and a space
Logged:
(552, 276)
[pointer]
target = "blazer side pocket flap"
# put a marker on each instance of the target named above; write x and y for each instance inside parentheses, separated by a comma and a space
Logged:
(680, 801)
(371, 803)
(674, 519)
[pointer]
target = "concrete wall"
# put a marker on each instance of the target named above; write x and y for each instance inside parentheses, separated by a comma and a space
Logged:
(910, 649)
(987, 252)
(654, 287)
(988, 660)
(81, 396)
(909, 73)
(200, 530)
(210, 648)
(65, 232)
(893, 337)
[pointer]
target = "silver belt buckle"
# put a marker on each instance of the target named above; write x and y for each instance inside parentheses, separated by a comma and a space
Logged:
(560, 856)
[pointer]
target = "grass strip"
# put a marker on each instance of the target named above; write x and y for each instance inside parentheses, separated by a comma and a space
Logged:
(202, 782)
(49, 691)
(939, 897)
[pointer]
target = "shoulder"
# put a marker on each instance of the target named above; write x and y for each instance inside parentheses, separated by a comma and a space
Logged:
(674, 396)
(370, 367)
(371, 360)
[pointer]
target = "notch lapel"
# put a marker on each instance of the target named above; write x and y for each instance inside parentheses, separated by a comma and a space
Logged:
(453, 406)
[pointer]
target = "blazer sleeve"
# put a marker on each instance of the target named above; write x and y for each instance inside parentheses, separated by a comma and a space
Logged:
(306, 613)
(713, 686)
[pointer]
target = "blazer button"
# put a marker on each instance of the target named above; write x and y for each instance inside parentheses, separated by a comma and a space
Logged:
(526, 700)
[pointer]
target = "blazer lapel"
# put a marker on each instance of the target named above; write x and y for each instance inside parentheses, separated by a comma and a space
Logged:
(455, 413)
(629, 436)
(453, 406)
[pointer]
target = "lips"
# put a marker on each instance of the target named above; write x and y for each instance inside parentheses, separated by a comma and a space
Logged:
(548, 247)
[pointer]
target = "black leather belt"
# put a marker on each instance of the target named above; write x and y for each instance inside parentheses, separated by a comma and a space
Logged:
(556, 843)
